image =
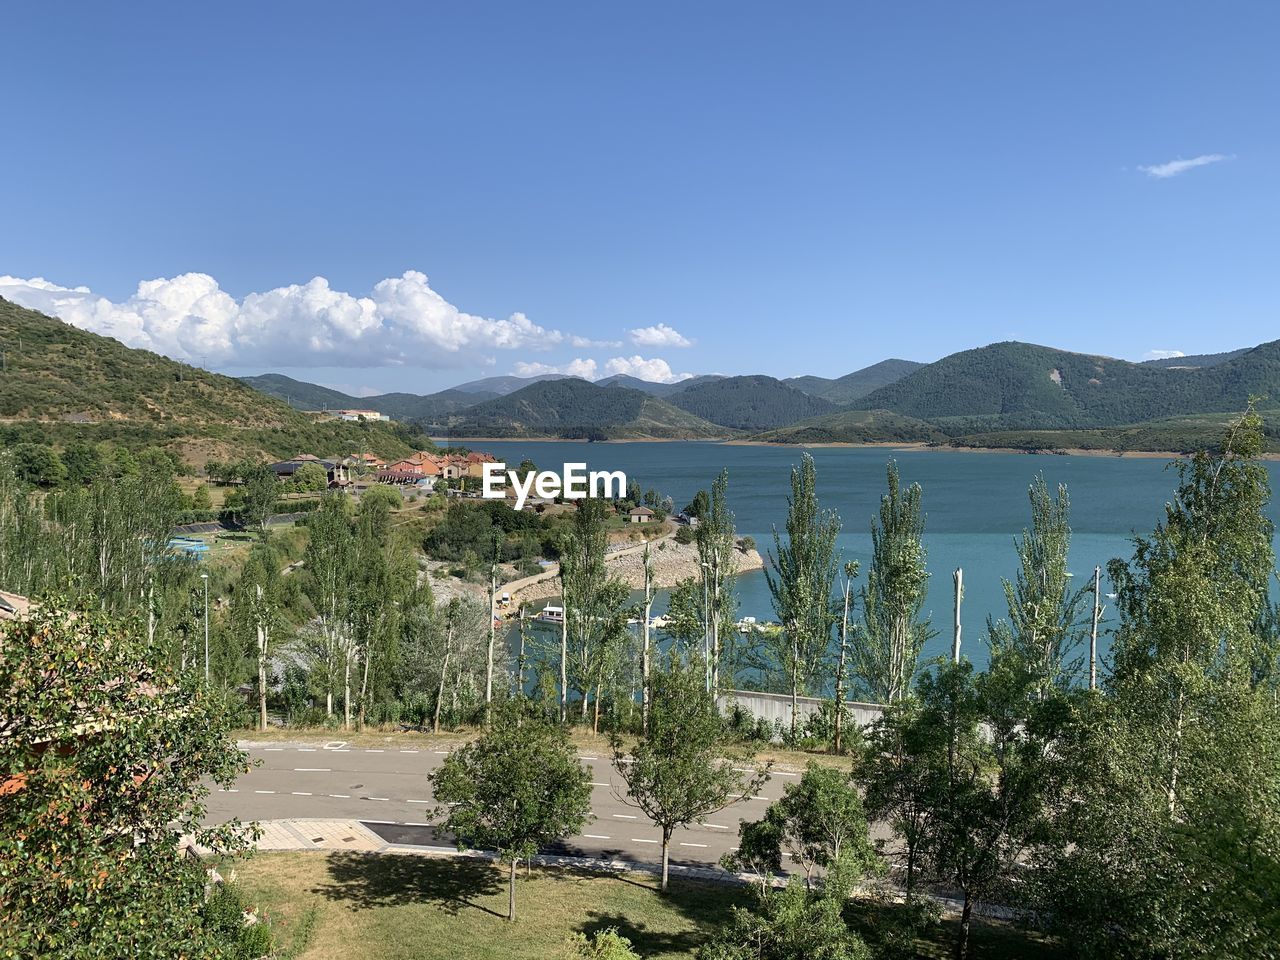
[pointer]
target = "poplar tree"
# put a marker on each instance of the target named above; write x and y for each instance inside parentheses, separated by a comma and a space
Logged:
(801, 583)
(886, 657)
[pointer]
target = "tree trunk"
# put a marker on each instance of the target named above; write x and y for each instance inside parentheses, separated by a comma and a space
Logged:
(844, 634)
(364, 687)
(666, 850)
(511, 893)
(346, 690)
(444, 672)
(644, 656)
(564, 657)
(488, 673)
(595, 722)
(262, 664)
(958, 579)
(1093, 634)
(962, 939)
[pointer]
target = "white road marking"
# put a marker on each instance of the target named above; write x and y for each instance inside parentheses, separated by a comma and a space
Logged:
(783, 773)
(273, 749)
(594, 836)
(715, 826)
(306, 749)
(702, 845)
(595, 783)
(583, 756)
(312, 770)
(441, 753)
(264, 791)
(230, 790)
(408, 751)
(638, 840)
(408, 823)
(340, 796)
(299, 793)
(375, 751)
(417, 801)
(378, 821)
(625, 816)
(380, 799)
(335, 744)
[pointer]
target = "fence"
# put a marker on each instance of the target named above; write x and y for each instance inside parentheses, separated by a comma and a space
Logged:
(776, 707)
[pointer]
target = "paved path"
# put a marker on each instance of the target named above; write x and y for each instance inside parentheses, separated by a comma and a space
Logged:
(389, 787)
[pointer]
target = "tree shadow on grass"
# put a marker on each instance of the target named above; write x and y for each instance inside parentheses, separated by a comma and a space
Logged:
(374, 880)
(646, 942)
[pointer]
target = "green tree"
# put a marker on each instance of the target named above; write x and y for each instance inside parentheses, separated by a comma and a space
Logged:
(257, 615)
(1173, 848)
(310, 478)
(603, 945)
(1044, 626)
(329, 565)
(801, 584)
(819, 822)
(683, 769)
(200, 499)
(887, 654)
(37, 464)
(259, 491)
(717, 558)
(105, 757)
(83, 463)
(516, 788)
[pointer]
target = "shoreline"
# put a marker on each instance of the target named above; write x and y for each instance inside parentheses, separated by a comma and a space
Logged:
(907, 446)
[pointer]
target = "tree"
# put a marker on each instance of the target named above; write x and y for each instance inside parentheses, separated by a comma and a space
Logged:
(329, 565)
(887, 655)
(1172, 848)
(106, 755)
(715, 538)
(200, 499)
(258, 494)
(683, 769)
(603, 945)
(256, 614)
(513, 790)
(83, 463)
(310, 478)
(1044, 625)
(801, 583)
(37, 464)
(842, 662)
(820, 822)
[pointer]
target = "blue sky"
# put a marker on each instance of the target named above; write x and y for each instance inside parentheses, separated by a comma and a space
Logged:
(500, 187)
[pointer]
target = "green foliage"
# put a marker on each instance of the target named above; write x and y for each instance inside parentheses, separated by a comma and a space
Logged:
(469, 528)
(683, 769)
(801, 583)
(788, 924)
(749, 403)
(603, 945)
(310, 478)
(36, 464)
(106, 755)
(886, 655)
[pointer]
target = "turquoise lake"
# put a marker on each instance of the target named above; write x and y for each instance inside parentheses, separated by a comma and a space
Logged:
(976, 504)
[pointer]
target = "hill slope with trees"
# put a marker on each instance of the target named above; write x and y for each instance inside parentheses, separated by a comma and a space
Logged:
(750, 403)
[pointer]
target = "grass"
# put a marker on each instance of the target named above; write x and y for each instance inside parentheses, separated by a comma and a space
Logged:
(389, 906)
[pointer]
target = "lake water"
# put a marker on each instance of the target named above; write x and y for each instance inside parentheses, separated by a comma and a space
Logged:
(976, 504)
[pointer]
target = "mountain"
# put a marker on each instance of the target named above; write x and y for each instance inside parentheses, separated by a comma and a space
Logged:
(851, 386)
(1195, 361)
(1009, 386)
(431, 407)
(574, 408)
(501, 386)
(60, 382)
(299, 394)
(749, 403)
(635, 383)
(856, 426)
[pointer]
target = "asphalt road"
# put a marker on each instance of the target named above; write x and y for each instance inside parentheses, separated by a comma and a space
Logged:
(389, 790)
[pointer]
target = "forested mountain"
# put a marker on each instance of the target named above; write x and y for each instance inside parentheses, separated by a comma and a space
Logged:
(577, 408)
(855, 426)
(431, 407)
(299, 394)
(501, 386)
(61, 382)
(749, 403)
(857, 384)
(1023, 386)
(1196, 360)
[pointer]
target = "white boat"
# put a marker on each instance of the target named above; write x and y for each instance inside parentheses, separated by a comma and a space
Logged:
(746, 624)
(551, 614)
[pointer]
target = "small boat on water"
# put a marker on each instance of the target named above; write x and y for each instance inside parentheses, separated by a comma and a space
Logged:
(550, 614)
(747, 624)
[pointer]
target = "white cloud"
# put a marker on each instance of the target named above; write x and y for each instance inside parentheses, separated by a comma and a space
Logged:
(584, 343)
(659, 336)
(655, 370)
(402, 322)
(1162, 354)
(1162, 171)
(574, 368)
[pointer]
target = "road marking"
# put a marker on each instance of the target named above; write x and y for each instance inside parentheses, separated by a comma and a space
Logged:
(594, 836)
(417, 801)
(335, 744)
(743, 796)
(378, 821)
(340, 796)
(595, 783)
(306, 749)
(408, 823)
(230, 790)
(408, 751)
(584, 756)
(341, 750)
(264, 791)
(715, 826)
(299, 793)
(375, 751)
(273, 749)
(312, 770)
(625, 816)
(380, 799)
(783, 773)
(702, 845)
(638, 840)
(441, 753)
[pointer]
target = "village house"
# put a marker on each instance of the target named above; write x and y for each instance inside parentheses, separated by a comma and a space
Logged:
(640, 515)
(355, 415)
(335, 472)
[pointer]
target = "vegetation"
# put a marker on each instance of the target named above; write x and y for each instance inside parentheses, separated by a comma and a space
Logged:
(857, 384)
(749, 403)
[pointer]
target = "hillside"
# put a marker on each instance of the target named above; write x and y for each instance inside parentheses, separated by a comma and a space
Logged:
(501, 386)
(1018, 386)
(59, 381)
(1195, 361)
(430, 408)
(576, 408)
(749, 403)
(299, 394)
(851, 386)
(855, 426)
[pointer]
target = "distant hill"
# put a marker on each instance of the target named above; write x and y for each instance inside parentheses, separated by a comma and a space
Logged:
(1196, 361)
(501, 386)
(60, 382)
(575, 408)
(856, 426)
(749, 403)
(853, 386)
(1023, 386)
(431, 407)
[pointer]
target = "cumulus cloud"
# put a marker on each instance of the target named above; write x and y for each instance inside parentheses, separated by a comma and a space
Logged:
(1162, 354)
(655, 370)
(659, 336)
(403, 321)
(574, 368)
(584, 343)
(1162, 171)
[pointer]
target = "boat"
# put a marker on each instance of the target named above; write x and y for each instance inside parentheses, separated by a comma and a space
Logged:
(550, 614)
(746, 624)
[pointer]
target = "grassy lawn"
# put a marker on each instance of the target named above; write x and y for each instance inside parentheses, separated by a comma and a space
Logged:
(387, 907)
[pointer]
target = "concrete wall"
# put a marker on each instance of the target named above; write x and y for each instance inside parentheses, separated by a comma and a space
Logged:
(777, 706)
